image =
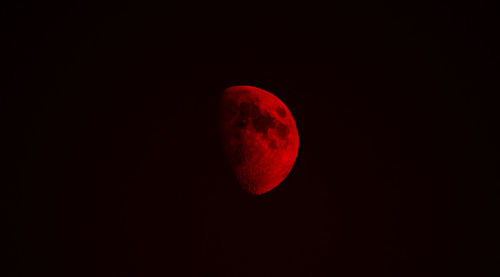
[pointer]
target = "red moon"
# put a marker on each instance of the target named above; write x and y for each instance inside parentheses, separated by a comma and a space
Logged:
(260, 137)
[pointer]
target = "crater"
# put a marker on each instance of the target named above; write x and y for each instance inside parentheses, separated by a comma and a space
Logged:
(281, 112)
(240, 122)
(282, 131)
(230, 109)
(249, 109)
(263, 122)
(272, 144)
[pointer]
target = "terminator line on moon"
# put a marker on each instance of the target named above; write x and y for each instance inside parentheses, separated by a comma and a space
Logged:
(260, 137)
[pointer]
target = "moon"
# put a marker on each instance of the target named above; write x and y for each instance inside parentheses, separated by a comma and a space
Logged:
(260, 137)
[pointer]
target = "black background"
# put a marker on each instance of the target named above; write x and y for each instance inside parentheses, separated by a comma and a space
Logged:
(118, 165)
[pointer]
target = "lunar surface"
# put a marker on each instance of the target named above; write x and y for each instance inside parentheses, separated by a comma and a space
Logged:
(260, 137)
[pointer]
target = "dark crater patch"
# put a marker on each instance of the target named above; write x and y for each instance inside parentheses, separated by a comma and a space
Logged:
(282, 131)
(263, 122)
(229, 110)
(272, 144)
(246, 112)
(250, 112)
(281, 112)
(241, 122)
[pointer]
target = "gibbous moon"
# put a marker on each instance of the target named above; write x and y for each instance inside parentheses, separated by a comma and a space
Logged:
(260, 137)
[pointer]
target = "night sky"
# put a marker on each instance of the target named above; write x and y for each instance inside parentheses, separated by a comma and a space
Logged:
(112, 112)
